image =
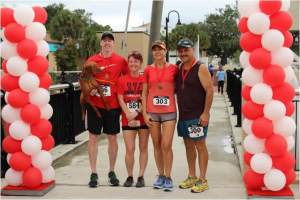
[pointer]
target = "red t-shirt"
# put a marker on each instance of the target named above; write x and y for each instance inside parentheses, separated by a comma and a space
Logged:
(161, 88)
(131, 88)
(111, 69)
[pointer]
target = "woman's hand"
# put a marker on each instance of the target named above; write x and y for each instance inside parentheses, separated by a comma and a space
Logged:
(131, 115)
(147, 119)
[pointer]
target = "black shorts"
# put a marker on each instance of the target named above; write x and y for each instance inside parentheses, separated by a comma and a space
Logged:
(109, 121)
(128, 128)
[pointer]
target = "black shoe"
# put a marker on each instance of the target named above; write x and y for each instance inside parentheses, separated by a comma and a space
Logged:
(93, 180)
(128, 182)
(140, 182)
(112, 179)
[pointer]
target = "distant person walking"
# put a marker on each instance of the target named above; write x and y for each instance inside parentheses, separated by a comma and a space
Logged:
(221, 79)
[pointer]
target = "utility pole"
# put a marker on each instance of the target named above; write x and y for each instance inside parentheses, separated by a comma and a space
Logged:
(157, 8)
(124, 40)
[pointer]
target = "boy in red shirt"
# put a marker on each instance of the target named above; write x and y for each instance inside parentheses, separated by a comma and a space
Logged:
(111, 66)
(130, 89)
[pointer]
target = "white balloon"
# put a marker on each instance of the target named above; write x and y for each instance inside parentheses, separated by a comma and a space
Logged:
(24, 15)
(274, 110)
(43, 48)
(253, 144)
(261, 93)
(16, 66)
(244, 59)
(46, 111)
(248, 7)
(285, 126)
(258, 23)
(13, 177)
(8, 157)
(274, 180)
(39, 97)
(261, 163)
(285, 6)
(272, 40)
(247, 126)
(42, 160)
(19, 130)
(252, 76)
(289, 74)
(10, 114)
(29, 82)
(35, 31)
(8, 49)
(31, 145)
(282, 57)
(48, 174)
(290, 140)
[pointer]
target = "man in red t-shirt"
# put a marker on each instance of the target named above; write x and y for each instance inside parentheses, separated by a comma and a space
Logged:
(111, 66)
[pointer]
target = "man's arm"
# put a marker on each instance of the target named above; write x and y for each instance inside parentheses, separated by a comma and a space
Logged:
(206, 82)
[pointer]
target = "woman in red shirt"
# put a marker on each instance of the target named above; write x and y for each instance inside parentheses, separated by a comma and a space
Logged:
(130, 89)
(159, 111)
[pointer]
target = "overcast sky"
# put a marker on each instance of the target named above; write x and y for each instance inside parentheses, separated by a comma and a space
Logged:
(113, 12)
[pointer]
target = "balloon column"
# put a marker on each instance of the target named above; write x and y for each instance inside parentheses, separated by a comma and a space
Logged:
(266, 59)
(25, 80)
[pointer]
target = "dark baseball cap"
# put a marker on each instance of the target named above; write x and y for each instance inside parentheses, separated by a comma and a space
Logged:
(107, 34)
(185, 42)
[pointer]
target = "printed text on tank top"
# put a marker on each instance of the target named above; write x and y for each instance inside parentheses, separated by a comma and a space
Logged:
(184, 73)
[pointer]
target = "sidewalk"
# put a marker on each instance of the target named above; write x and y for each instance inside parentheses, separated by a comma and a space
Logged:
(224, 175)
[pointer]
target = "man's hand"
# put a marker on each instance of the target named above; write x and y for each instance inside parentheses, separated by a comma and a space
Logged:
(204, 119)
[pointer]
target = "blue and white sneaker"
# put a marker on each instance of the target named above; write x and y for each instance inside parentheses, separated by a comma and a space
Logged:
(168, 184)
(158, 184)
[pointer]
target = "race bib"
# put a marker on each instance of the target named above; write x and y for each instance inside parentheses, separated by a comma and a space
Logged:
(195, 131)
(106, 90)
(161, 101)
(133, 105)
(134, 123)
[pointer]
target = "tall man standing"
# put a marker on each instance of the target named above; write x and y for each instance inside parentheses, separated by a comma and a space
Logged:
(194, 96)
(111, 66)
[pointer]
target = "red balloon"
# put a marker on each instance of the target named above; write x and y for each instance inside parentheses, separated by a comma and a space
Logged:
(246, 92)
(269, 7)
(262, 128)
(253, 180)
(7, 16)
(260, 58)
(48, 143)
(20, 161)
(38, 65)
(30, 114)
(250, 42)
(32, 177)
(276, 145)
(252, 110)
(27, 49)
(290, 108)
(243, 25)
(290, 177)
(11, 145)
(42, 128)
(9, 83)
(14, 32)
(274, 75)
(284, 93)
(288, 39)
(281, 20)
(18, 98)
(45, 80)
(247, 157)
(285, 162)
(4, 67)
(40, 14)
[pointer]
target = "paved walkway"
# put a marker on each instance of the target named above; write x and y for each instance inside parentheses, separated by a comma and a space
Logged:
(224, 175)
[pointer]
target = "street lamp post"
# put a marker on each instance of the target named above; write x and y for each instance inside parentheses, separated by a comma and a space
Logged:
(167, 21)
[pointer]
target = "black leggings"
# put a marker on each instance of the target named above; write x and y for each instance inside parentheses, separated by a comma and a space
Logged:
(220, 86)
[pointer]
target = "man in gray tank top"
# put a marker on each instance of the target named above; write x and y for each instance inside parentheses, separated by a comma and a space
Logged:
(194, 92)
